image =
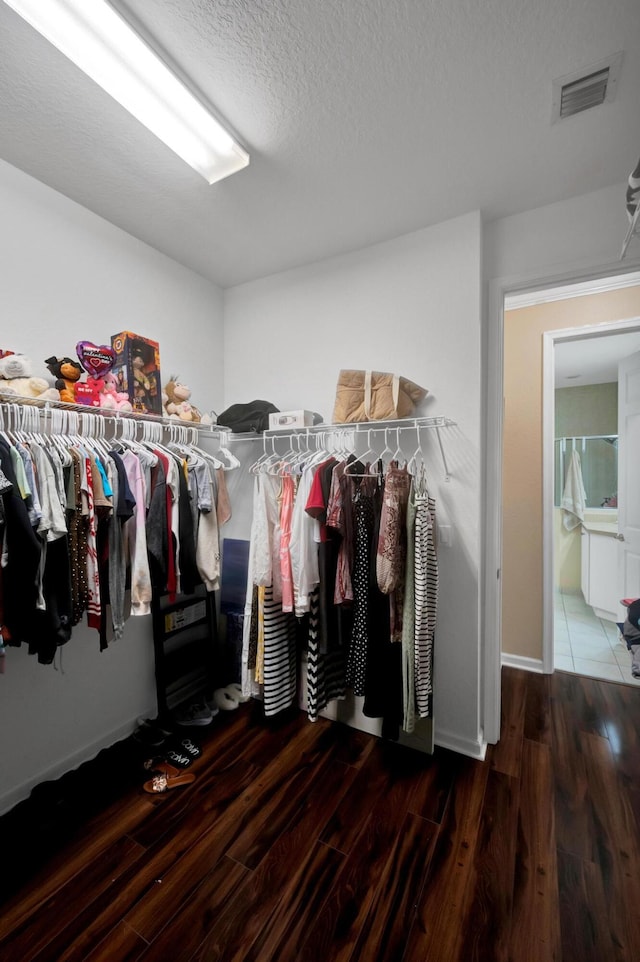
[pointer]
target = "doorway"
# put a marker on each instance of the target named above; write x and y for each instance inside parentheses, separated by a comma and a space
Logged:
(588, 580)
(527, 570)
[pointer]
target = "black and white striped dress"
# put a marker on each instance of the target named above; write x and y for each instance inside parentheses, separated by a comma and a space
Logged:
(325, 671)
(280, 672)
(426, 601)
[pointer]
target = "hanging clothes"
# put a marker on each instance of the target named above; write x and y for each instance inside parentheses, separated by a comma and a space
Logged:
(360, 544)
(81, 523)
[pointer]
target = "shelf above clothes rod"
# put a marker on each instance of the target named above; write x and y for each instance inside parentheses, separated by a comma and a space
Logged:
(45, 406)
(360, 427)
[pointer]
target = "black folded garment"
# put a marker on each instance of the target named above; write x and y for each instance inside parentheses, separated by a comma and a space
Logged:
(253, 416)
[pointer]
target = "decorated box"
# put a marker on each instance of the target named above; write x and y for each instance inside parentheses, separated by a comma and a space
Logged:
(137, 370)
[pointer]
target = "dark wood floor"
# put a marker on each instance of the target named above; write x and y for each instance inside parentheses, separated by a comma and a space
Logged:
(315, 843)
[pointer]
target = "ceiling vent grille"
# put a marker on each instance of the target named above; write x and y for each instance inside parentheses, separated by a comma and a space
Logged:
(582, 94)
(586, 88)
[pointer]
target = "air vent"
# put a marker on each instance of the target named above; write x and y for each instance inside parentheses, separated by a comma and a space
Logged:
(586, 88)
(582, 94)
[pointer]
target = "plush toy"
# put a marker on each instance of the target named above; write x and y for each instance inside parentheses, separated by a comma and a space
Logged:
(111, 398)
(15, 378)
(66, 372)
(175, 401)
(89, 392)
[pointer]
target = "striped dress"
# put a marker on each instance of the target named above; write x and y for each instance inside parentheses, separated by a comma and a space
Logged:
(426, 601)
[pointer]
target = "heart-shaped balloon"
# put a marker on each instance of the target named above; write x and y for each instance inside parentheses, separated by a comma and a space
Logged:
(96, 359)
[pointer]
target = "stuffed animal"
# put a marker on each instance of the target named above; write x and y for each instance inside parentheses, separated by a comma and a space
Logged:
(15, 378)
(67, 372)
(175, 401)
(89, 392)
(111, 398)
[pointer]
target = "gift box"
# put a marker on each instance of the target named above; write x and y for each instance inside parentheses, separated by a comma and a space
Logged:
(137, 371)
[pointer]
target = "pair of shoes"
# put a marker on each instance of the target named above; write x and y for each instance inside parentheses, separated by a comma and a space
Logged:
(182, 751)
(199, 713)
(229, 698)
(179, 754)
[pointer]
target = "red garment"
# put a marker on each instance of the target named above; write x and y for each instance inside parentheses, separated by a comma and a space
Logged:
(316, 505)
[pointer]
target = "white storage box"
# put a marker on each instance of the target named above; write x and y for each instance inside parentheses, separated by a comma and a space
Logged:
(291, 419)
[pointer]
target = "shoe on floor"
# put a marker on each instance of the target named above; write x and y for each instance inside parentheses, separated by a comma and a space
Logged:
(223, 700)
(196, 714)
(235, 690)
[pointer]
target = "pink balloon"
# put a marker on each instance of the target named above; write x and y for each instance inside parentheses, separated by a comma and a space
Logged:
(96, 359)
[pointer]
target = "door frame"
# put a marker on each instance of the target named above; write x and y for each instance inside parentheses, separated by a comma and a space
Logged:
(499, 289)
(549, 341)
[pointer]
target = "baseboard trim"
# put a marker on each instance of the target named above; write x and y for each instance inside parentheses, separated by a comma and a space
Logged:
(63, 765)
(463, 746)
(523, 661)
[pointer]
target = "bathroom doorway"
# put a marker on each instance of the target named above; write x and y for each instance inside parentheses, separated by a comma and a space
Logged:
(532, 322)
(588, 580)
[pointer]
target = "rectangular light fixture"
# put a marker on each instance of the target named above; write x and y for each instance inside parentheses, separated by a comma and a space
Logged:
(93, 35)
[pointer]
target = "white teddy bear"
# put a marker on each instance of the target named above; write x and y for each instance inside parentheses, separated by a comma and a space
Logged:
(16, 379)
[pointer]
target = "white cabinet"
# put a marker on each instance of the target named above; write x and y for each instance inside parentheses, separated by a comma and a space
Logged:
(600, 572)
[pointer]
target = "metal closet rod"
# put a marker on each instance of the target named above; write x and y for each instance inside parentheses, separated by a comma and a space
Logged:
(360, 427)
(83, 419)
(50, 405)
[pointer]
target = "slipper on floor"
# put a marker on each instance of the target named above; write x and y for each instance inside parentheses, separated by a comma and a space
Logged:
(162, 783)
(177, 757)
(187, 745)
(235, 690)
(223, 700)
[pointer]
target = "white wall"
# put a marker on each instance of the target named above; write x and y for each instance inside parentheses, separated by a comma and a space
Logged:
(68, 275)
(587, 230)
(411, 305)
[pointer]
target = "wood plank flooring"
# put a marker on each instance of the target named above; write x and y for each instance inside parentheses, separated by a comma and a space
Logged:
(317, 843)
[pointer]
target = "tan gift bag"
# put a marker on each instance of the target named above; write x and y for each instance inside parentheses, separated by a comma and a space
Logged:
(375, 396)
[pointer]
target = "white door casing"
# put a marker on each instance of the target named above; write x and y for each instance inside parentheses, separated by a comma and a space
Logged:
(629, 479)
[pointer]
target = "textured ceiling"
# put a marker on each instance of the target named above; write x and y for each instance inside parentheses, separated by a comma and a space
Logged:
(364, 119)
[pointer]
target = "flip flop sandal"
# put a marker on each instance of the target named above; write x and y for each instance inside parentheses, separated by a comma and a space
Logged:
(235, 690)
(188, 746)
(177, 757)
(162, 783)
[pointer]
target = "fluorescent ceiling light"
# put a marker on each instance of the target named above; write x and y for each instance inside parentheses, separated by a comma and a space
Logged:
(95, 37)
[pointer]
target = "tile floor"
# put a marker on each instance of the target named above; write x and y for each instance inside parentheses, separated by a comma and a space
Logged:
(587, 645)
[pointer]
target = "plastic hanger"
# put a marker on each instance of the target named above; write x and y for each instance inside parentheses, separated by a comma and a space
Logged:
(225, 452)
(351, 468)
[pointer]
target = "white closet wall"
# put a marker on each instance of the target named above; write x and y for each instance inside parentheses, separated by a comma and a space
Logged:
(413, 306)
(68, 275)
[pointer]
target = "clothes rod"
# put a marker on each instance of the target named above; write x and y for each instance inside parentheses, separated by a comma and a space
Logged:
(51, 405)
(357, 427)
(402, 424)
(59, 417)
